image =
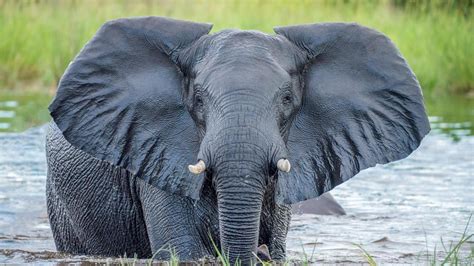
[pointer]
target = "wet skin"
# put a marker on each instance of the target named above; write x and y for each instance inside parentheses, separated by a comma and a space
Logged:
(149, 96)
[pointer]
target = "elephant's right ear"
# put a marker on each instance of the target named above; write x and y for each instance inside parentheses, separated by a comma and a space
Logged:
(362, 105)
(120, 101)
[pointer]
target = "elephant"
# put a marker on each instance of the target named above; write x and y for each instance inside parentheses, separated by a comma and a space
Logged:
(166, 137)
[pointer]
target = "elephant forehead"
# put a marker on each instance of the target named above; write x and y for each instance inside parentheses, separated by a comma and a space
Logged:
(237, 38)
(242, 45)
(240, 74)
(254, 49)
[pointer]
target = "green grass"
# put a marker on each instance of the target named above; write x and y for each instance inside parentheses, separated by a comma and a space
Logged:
(367, 256)
(39, 38)
(451, 254)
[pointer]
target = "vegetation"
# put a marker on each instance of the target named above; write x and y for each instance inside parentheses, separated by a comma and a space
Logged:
(451, 255)
(453, 251)
(40, 38)
(367, 256)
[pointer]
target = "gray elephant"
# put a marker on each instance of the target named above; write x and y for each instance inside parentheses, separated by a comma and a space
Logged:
(166, 136)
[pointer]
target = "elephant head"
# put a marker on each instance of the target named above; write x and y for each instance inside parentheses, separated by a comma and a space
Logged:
(299, 112)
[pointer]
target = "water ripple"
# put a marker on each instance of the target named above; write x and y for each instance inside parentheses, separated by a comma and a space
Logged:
(396, 211)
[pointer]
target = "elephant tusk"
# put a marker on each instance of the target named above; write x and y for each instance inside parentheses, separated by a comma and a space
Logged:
(284, 165)
(197, 168)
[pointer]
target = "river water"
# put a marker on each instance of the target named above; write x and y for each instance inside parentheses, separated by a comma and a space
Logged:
(396, 212)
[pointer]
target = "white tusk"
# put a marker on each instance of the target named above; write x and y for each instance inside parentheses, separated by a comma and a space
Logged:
(197, 168)
(284, 165)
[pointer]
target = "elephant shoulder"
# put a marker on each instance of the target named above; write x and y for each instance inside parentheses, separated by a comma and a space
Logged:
(70, 168)
(60, 152)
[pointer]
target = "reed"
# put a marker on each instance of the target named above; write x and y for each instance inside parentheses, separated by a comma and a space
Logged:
(39, 38)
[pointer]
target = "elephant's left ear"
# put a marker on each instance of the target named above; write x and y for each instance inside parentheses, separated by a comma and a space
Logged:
(362, 106)
(120, 101)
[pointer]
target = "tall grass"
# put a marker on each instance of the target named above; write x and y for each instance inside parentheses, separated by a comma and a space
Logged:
(39, 38)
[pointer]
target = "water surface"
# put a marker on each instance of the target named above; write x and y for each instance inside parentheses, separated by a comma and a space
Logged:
(396, 212)
(399, 211)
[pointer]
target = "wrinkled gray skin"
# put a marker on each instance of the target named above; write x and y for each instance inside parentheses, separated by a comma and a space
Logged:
(135, 217)
(148, 96)
(110, 212)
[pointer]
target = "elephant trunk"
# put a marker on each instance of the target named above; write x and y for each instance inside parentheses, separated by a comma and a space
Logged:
(240, 174)
(240, 189)
(241, 149)
(239, 219)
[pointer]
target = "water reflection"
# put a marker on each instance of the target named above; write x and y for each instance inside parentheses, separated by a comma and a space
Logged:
(452, 115)
(454, 130)
(22, 110)
(6, 114)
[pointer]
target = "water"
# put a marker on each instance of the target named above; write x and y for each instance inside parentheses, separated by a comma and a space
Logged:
(23, 218)
(399, 211)
(396, 212)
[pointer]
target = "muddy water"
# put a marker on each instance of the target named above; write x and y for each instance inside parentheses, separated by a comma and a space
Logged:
(396, 212)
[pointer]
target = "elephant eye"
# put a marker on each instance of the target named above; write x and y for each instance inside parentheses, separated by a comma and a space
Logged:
(287, 98)
(198, 101)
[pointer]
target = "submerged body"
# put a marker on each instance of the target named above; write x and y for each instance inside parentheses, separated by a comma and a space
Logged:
(263, 121)
(108, 211)
(99, 209)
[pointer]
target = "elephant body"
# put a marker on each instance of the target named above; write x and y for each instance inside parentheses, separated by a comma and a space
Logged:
(167, 137)
(93, 207)
(99, 209)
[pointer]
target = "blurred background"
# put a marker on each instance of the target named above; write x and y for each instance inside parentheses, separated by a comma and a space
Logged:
(399, 212)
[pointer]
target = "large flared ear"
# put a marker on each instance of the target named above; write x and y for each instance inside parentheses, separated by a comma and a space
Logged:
(362, 106)
(120, 101)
